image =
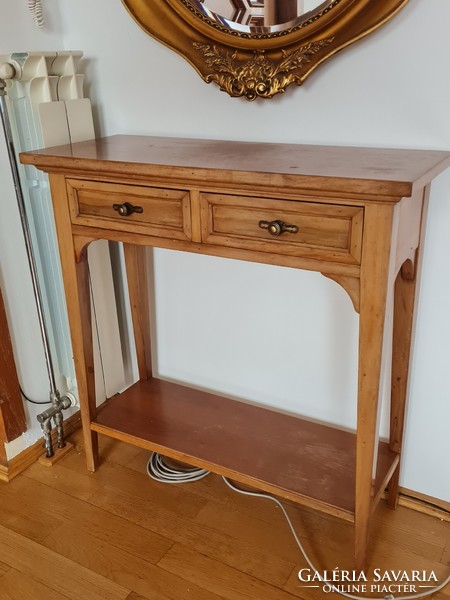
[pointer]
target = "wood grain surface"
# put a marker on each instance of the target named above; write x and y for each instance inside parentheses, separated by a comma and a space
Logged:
(365, 170)
(296, 458)
(358, 214)
(12, 413)
(66, 534)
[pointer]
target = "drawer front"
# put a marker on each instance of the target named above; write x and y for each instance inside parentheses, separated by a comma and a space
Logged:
(149, 210)
(307, 229)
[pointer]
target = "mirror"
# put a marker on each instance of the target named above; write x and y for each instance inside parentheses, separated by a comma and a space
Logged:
(260, 16)
(258, 48)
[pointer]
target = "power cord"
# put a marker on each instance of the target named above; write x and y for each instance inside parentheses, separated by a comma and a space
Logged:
(161, 471)
(37, 12)
(33, 401)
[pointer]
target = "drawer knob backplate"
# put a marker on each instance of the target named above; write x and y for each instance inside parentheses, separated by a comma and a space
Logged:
(277, 227)
(126, 209)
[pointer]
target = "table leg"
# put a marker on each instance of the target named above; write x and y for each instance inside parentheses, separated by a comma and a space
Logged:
(404, 301)
(136, 265)
(84, 361)
(73, 254)
(375, 282)
(405, 293)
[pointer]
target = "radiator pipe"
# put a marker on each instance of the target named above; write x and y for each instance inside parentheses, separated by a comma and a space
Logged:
(47, 431)
(8, 71)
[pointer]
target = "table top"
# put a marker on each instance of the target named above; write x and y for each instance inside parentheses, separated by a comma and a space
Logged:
(387, 170)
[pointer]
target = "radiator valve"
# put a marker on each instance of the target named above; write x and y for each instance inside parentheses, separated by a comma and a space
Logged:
(55, 413)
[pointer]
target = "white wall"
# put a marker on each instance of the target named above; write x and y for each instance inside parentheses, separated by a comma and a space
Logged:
(388, 90)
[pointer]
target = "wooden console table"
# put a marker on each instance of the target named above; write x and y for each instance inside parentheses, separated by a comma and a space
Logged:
(354, 214)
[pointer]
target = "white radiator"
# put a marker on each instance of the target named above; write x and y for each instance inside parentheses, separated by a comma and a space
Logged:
(47, 108)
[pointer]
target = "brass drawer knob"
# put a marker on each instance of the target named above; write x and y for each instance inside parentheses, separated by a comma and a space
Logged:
(126, 209)
(278, 227)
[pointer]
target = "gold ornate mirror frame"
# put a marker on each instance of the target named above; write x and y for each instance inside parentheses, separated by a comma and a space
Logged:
(261, 65)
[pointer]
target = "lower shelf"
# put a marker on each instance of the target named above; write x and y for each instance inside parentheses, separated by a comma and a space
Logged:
(307, 462)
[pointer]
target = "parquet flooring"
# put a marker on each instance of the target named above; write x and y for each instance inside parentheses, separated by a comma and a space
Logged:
(118, 535)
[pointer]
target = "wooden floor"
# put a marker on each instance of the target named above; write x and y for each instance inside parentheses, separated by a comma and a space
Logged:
(118, 535)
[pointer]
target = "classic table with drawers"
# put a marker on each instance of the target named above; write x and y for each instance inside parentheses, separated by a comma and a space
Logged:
(356, 215)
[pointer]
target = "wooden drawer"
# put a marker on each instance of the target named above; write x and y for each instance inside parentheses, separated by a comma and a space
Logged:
(325, 231)
(161, 212)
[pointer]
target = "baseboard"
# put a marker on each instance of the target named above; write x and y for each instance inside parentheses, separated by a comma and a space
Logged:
(3, 473)
(425, 504)
(25, 459)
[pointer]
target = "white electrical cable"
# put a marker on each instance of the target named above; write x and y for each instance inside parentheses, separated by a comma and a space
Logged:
(35, 8)
(160, 471)
(306, 557)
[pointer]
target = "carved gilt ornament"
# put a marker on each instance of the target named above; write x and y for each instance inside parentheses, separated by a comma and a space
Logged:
(257, 48)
